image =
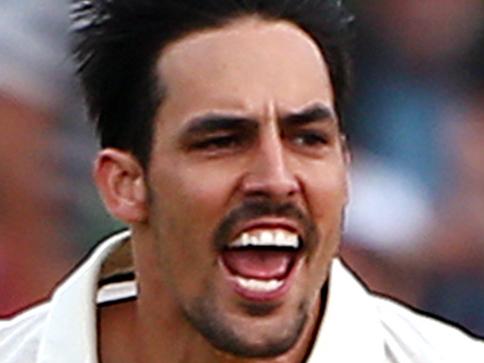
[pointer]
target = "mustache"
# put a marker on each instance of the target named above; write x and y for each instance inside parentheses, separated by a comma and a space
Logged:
(265, 208)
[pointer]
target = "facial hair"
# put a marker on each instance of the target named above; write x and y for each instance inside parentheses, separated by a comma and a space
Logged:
(205, 315)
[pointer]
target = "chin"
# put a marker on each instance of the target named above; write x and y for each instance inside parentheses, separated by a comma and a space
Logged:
(262, 334)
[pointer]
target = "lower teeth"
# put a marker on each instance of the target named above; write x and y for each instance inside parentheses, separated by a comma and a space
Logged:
(259, 285)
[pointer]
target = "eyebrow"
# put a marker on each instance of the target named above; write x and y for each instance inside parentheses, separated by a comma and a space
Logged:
(218, 122)
(315, 113)
(215, 122)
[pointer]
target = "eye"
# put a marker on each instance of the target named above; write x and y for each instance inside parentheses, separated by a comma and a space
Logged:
(214, 143)
(309, 139)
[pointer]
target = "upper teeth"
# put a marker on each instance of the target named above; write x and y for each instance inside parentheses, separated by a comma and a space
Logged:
(277, 238)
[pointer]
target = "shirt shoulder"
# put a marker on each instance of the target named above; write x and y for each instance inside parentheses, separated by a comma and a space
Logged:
(416, 337)
(20, 335)
(64, 328)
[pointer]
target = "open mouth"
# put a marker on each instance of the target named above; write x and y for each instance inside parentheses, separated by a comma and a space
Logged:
(261, 261)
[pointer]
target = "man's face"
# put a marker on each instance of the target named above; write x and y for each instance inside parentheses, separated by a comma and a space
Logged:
(247, 183)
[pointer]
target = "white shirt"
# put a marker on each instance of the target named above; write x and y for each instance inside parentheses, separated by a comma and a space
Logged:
(357, 326)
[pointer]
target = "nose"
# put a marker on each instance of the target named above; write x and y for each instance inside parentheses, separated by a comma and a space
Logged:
(269, 173)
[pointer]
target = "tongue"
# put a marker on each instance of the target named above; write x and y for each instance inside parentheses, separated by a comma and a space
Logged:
(258, 264)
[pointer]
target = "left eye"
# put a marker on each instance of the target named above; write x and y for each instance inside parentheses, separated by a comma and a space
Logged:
(309, 139)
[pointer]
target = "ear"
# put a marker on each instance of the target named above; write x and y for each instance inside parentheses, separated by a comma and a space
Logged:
(347, 161)
(346, 150)
(121, 183)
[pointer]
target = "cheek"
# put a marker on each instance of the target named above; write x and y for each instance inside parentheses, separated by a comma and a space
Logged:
(327, 197)
(201, 188)
(196, 199)
(327, 193)
(188, 204)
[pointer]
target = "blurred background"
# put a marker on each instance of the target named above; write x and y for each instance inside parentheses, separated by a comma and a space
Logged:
(415, 225)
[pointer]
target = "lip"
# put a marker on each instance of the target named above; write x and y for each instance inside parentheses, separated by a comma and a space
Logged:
(260, 296)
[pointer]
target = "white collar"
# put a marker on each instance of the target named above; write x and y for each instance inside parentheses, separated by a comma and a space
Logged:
(70, 329)
(350, 330)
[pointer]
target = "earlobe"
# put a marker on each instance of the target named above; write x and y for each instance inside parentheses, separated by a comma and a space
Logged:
(120, 180)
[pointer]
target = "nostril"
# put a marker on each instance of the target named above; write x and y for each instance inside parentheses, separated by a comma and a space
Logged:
(256, 193)
(270, 186)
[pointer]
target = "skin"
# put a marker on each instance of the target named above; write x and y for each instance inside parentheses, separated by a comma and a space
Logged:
(255, 73)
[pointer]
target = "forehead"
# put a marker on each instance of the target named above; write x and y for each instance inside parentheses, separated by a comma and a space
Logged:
(249, 66)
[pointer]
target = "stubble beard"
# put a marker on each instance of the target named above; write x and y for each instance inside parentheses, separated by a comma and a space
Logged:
(207, 317)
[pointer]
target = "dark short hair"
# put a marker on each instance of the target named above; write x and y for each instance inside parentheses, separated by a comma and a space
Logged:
(117, 43)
